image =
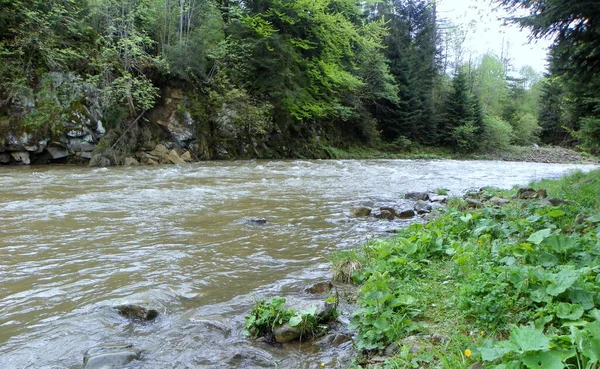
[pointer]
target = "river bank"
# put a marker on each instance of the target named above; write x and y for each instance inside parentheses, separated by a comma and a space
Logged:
(512, 283)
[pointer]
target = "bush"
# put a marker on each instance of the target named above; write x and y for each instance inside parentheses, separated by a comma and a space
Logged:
(496, 133)
(589, 134)
(525, 129)
(465, 137)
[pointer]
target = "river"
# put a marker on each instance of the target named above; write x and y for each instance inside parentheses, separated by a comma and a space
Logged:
(76, 241)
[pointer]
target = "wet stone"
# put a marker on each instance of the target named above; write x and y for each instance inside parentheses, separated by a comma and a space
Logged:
(320, 287)
(405, 214)
(416, 196)
(136, 312)
(388, 208)
(110, 356)
(360, 211)
(385, 214)
(259, 221)
(422, 207)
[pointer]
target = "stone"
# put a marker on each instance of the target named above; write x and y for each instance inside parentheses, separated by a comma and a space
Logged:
(437, 198)
(129, 161)
(422, 207)
(260, 221)
(250, 357)
(174, 158)
(473, 203)
(41, 146)
(320, 287)
(57, 151)
(326, 311)
(388, 208)
(181, 132)
(160, 151)
(557, 202)
(110, 356)
(526, 193)
(21, 157)
(86, 155)
(360, 211)
(286, 333)
(5, 158)
(416, 196)
(405, 214)
(392, 349)
(499, 201)
(541, 194)
(77, 145)
(137, 312)
(186, 156)
(384, 214)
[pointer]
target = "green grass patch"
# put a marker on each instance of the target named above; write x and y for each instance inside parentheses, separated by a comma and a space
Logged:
(516, 286)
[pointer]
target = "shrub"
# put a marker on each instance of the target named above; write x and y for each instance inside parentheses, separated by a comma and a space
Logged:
(525, 129)
(589, 134)
(496, 133)
(465, 137)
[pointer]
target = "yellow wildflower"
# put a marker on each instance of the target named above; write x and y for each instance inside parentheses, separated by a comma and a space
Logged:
(468, 352)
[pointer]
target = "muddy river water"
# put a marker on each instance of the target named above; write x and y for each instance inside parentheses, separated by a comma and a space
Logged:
(76, 241)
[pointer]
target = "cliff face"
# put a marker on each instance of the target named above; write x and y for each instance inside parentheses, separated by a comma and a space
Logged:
(174, 124)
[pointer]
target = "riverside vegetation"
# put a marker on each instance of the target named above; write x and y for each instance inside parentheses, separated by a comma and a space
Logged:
(109, 80)
(512, 285)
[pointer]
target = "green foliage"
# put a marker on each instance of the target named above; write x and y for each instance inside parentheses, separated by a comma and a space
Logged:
(496, 133)
(527, 271)
(466, 137)
(266, 315)
(590, 134)
(525, 129)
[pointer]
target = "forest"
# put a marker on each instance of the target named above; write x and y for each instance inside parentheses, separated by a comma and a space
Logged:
(280, 78)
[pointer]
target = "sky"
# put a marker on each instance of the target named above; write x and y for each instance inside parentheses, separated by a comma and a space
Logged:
(489, 32)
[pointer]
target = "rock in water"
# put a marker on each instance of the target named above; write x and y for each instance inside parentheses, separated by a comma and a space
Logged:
(136, 312)
(416, 196)
(286, 333)
(385, 214)
(260, 221)
(405, 214)
(421, 207)
(320, 287)
(360, 211)
(110, 356)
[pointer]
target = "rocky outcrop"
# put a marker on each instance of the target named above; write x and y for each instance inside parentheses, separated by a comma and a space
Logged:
(110, 356)
(417, 196)
(422, 207)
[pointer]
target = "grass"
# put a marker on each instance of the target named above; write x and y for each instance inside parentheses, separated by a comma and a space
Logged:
(516, 286)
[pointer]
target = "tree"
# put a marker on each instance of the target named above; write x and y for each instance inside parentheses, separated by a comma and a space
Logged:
(574, 24)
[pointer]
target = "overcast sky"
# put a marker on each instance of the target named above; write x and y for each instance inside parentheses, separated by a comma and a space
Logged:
(489, 32)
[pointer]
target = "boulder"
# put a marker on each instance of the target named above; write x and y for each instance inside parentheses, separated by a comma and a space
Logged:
(160, 152)
(286, 333)
(473, 203)
(77, 145)
(385, 214)
(388, 208)
(557, 202)
(137, 312)
(21, 157)
(320, 287)
(57, 151)
(110, 356)
(437, 198)
(405, 214)
(422, 207)
(416, 196)
(526, 193)
(326, 311)
(360, 211)
(174, 158)
(499, 201)
(5, 158)
(186, 156)
(129, 161)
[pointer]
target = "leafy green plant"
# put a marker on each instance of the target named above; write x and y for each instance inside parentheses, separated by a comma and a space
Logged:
(266, 315)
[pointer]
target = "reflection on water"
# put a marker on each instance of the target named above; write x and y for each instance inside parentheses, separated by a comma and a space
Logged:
(76, 241)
